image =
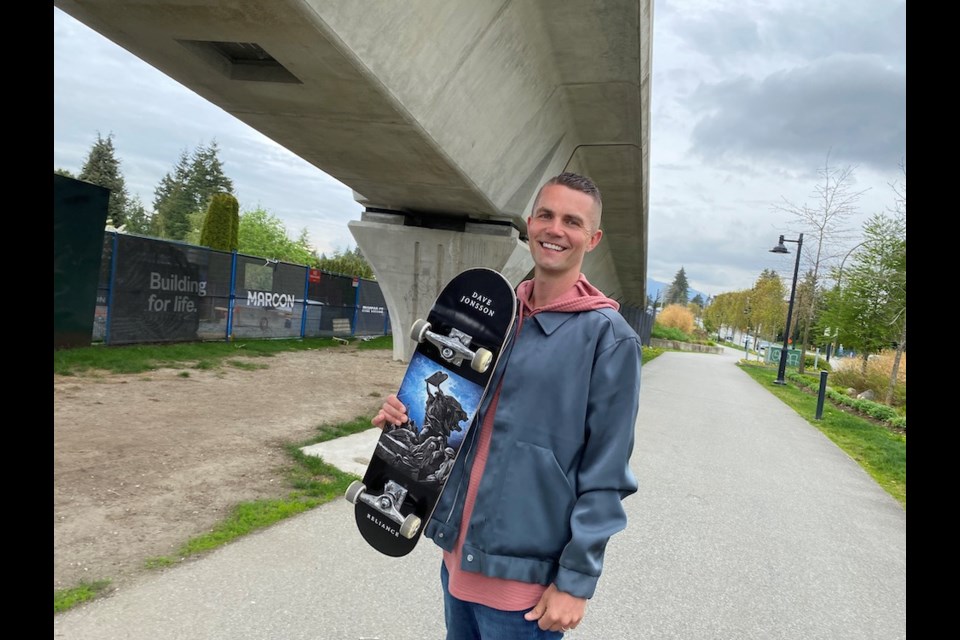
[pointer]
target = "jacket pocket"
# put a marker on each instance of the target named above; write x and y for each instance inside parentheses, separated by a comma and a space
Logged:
(535, 505)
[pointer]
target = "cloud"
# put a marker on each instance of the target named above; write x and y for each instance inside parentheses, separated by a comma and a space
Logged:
(852, 105)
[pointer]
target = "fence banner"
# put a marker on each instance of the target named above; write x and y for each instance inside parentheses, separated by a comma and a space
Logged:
(371, 311)
(157, 291)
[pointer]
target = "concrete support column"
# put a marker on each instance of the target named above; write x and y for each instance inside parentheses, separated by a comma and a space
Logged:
(412, 264)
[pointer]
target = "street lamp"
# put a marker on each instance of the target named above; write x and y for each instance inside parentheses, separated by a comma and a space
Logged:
(793, 291)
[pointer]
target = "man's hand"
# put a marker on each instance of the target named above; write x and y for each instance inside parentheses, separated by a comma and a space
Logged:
(558, 611)
(392, 412)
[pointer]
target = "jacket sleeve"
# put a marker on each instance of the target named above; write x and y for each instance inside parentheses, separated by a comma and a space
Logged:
(604, 477)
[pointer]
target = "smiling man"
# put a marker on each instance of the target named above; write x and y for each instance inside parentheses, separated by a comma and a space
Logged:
(531, 502)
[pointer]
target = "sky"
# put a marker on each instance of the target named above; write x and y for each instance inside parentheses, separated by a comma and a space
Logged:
(750, 99)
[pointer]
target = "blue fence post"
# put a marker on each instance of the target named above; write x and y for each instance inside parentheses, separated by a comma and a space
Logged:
(113, 279)
(303, 316)
(233, 295)
(356, 307)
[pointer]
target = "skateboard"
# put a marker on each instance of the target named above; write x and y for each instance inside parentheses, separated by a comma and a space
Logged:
(458, 345)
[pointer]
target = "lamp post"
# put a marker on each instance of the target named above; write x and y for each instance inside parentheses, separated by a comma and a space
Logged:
(780, 248)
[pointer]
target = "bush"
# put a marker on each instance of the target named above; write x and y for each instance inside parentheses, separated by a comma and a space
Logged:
(822, 364)
(875, 410)
(676, 316)
(849, 373)
(668, 333)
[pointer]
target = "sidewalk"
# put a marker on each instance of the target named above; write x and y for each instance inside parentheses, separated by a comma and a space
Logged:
(748, 523)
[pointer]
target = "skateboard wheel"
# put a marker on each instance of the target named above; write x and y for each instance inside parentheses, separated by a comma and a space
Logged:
(354, 490)
(419, 330)
(481, 360)
(410, 526)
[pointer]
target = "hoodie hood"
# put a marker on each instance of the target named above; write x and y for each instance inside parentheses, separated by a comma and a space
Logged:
(582, 296)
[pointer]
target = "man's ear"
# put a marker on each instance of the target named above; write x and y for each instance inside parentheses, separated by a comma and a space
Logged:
(594, 240)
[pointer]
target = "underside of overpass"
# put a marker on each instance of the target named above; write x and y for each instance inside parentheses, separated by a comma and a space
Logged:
(443, 116)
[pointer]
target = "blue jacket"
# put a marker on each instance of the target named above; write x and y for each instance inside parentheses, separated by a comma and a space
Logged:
(558, 466)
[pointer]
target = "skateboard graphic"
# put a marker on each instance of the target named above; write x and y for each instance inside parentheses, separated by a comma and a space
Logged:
(458, 346)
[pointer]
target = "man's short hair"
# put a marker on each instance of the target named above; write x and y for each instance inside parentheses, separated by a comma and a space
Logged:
(579, 183)
(576, 182)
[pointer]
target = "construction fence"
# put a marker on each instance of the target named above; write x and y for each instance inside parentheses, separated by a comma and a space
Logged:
(153, 290)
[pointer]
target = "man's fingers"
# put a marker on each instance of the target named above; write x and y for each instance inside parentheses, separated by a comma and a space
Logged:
(535, 613)
(392, 411)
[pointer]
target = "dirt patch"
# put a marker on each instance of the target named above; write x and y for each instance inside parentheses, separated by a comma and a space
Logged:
(144, 462)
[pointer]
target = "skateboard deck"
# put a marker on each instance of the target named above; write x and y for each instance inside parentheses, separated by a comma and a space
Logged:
(458, 345)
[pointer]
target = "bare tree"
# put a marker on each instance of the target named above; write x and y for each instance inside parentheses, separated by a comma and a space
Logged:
(825, 224)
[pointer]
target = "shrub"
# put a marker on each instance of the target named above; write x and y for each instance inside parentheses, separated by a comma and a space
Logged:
(676, 316)
(822, 364)
(848, 372)
(220, 225)
(875, 410)
(668, 333)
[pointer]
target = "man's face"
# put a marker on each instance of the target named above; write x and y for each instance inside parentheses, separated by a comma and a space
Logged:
(562, 229)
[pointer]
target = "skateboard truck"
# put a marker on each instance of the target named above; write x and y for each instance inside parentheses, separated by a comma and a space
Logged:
(454, 348)
(387, 503)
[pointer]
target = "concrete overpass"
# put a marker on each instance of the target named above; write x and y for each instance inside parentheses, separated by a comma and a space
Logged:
(443, 116)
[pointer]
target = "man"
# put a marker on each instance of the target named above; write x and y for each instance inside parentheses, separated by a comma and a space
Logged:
(536, 492)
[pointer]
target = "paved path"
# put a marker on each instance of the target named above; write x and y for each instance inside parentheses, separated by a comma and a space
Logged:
(749, 524)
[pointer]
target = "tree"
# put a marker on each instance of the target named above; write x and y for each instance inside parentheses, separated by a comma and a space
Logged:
(219, 223)
(186, 190)
(824, 228)
(729, 310)
(138, 220)
(64, 172)
(768, 312)
(678, 293)
(899, 264)
(349, 262)
(172, 203)
(206, 177)
(655, 303)
(262, 234)
(102, 168)
(870, 308)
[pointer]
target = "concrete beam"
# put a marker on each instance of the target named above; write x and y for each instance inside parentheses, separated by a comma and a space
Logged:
(413, 263)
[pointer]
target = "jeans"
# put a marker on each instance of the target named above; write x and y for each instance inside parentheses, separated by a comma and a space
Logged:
(470, 621)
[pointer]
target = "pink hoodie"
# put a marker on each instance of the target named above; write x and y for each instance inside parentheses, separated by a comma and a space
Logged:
(498, 593)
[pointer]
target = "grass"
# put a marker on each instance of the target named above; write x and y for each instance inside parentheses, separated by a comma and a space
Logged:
(312, 482)
(881, 452)
(194, 355)
(69, 598)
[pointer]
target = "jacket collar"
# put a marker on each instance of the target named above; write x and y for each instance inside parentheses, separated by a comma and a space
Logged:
(550, 321)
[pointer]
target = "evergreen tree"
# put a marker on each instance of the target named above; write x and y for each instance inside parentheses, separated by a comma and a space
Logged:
(64, 172)
(349, 262)
(171, 203)
(218, 225)
(206, 177)
(186, 191)
(102, 168)
(679, 291)
(138, 220)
